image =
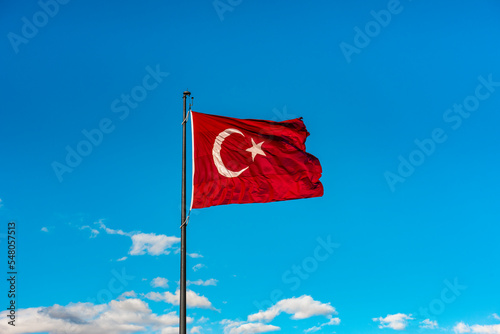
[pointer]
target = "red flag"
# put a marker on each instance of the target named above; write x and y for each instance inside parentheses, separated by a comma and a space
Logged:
(239, 161)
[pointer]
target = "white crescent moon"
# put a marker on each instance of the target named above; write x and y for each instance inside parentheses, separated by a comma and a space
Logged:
(216, 154)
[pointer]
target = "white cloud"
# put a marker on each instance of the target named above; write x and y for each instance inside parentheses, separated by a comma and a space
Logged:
(300, 308)
(253, 328)
(477, 329)
(333, 321)
(93, 232)
(204, 283)
(195, 255)
(170, 330)
(127, 294)
(198, 266)
(152, 244)
(429, 324)
(159, 282)
(485, 329)
(116, 317)
(44, 229)
(461, 328)
(122, 259)
(240, 327)
(144, 243)
(202, 320)
(193, 300)
(111, 231)
(397, 321)
(496, 316)
(195, 330)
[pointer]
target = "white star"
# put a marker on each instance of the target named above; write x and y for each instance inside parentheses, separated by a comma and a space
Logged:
(256, 149)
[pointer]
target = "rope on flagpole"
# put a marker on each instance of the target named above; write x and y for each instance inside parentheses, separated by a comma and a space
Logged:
(187, 117)
(187, 219)
(189, 111)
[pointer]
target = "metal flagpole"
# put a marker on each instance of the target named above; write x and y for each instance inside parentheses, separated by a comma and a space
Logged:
(182, 311)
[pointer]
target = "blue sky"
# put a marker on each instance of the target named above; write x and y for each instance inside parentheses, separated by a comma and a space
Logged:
(402, 101)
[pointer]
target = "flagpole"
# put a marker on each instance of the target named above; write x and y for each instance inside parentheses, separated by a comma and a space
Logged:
(182, 311)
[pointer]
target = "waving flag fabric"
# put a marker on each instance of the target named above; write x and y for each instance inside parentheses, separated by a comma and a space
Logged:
(239, 161)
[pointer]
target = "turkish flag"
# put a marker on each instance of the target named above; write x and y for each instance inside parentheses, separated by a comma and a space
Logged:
(239, 161)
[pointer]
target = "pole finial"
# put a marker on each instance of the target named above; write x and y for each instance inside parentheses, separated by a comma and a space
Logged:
(187, 92)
